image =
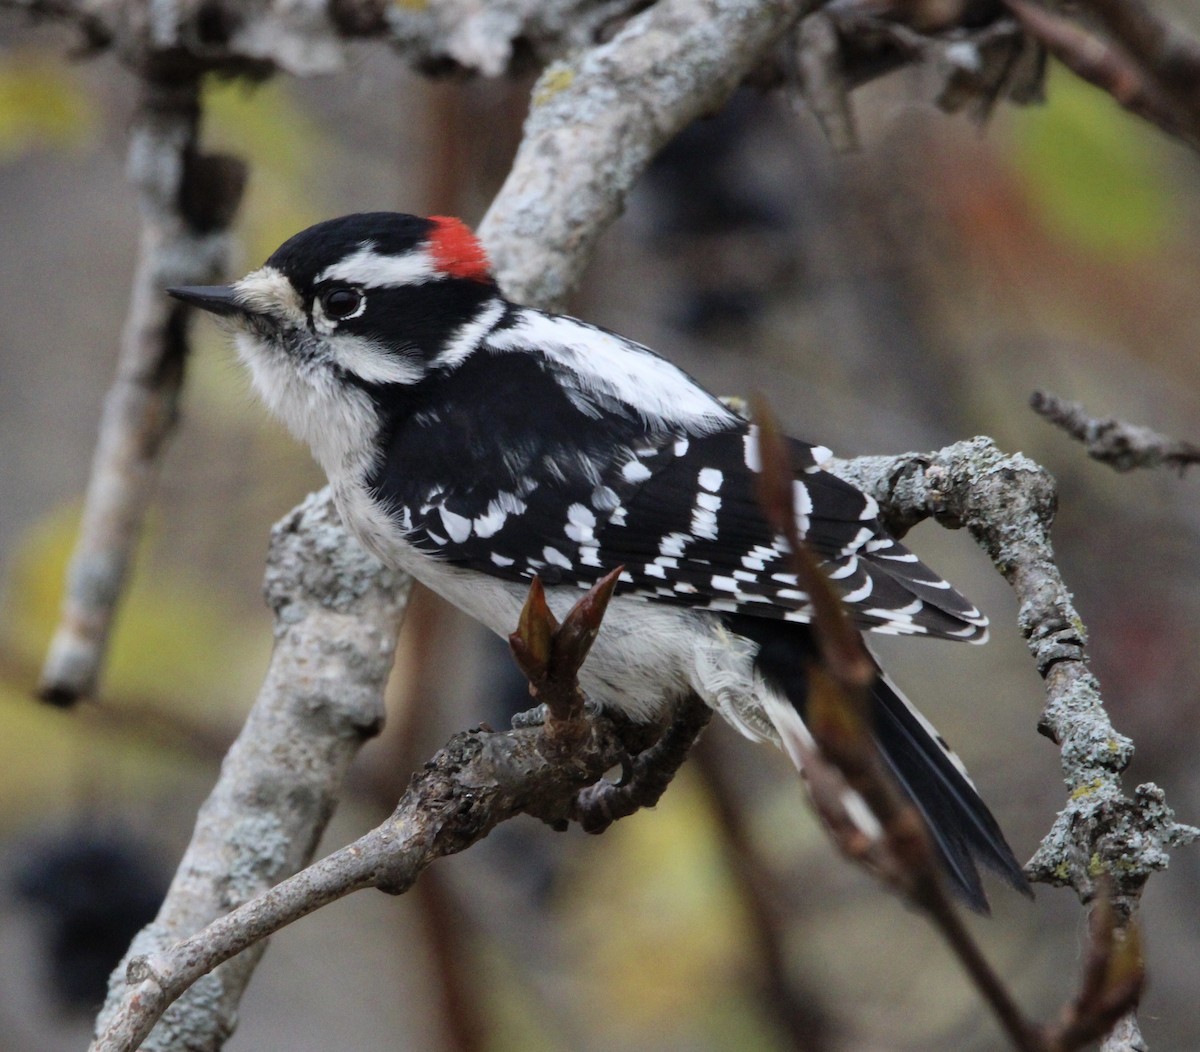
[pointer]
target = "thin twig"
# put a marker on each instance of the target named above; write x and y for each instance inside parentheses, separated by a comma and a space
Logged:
(1171, 56)
(1111, 441)
(1107, 66)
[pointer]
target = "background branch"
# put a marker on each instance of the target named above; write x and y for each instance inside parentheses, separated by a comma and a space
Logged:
(598, 118)
(1147, 65)
(1111, 441)
(187, 201)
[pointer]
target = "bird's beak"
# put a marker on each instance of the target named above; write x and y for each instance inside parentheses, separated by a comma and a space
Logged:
(216, 299)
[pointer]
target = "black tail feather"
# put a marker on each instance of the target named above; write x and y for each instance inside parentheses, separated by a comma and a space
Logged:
(964, 831)
(963, 828)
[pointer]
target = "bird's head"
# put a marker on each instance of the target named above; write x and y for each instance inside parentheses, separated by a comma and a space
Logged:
(351, 304)
(376, 294)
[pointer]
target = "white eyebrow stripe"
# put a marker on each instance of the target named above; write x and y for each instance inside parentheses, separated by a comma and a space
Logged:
(374, 270)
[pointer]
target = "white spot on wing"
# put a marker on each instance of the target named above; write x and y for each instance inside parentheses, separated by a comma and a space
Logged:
(491, 521)
(635, 471)
(711, 479)
(673, 544)
(604, 499)
(556, 558)
(856, 542)
(801, 506)
(458, 526)
(704, 522)
(861, 593)
(751, 454)
(581, 524)
(850, 567)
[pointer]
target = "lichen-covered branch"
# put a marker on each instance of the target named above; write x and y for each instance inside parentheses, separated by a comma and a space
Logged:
(1007, 502)
(337, 612)
(478, 780)
(187, 200)
(598, 118)
(255, 38)
(1114, 442)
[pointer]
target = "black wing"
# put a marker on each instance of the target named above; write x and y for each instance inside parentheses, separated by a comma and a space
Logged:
(679, 512)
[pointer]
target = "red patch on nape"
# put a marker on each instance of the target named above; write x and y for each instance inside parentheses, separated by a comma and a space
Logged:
(456, 251)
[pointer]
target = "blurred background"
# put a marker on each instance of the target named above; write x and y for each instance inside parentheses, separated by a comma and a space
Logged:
(902, 297)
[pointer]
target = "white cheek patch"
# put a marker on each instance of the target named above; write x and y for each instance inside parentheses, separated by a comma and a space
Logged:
(372, 362)
(374, 269)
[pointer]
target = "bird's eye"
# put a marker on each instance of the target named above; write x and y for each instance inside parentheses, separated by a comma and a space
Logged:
(342, 303)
